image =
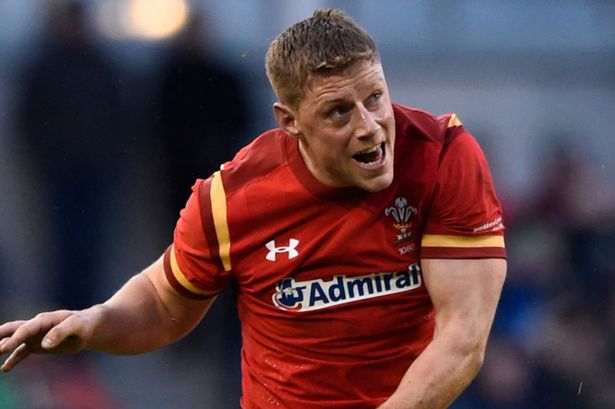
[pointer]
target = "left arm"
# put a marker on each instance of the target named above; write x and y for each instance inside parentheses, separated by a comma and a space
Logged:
(465, 294)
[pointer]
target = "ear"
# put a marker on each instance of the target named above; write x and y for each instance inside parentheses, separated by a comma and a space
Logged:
(287, 119)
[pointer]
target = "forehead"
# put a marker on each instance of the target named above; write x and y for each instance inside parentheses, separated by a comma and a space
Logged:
(343, 83)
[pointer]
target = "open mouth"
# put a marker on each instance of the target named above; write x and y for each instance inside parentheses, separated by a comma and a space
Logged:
(371, 156)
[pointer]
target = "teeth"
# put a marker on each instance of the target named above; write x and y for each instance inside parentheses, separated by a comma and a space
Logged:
(370, 150)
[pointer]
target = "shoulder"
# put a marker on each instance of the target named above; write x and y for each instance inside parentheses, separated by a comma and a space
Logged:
(427, 144)
(262, 156)
(417, 123)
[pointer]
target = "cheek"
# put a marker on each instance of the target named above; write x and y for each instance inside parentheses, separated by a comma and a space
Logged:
(333, 152)
(386, 115)
(333, 143)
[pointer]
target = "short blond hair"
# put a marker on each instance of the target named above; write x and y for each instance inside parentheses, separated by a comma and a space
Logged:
(326, 42)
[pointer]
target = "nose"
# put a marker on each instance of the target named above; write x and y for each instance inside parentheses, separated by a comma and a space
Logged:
(366, 124)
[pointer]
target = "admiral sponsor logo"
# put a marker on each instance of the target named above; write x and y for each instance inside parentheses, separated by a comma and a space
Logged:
(401, 213)
(300, 296)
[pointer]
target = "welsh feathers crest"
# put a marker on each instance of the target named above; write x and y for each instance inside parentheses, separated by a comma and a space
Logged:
(401, 213)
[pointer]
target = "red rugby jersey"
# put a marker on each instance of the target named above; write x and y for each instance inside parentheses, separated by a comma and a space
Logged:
(330, 295)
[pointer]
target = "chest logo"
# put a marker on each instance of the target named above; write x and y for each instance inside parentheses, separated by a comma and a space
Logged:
(401, 213)
(291, 249)
(309, 295)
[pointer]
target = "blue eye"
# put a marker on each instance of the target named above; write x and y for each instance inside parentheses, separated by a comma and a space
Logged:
(338, 112)
(375, 97)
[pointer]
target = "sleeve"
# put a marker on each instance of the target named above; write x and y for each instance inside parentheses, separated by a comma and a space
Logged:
(192, 263)
(465, 218)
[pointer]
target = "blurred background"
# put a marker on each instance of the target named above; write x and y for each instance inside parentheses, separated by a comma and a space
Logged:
(110, 109)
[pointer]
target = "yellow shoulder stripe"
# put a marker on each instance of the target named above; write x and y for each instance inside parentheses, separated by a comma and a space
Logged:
(181, 278)
(218, 209)
(454, 121)
(436, 240)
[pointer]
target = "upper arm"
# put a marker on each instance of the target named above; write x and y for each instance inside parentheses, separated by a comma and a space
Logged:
(185, 312)
(191, 272)
(465, 293)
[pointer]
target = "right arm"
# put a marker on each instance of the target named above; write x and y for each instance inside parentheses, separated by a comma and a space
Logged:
(145, 314)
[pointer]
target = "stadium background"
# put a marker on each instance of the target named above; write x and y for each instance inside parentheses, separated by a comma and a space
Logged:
(534, 81)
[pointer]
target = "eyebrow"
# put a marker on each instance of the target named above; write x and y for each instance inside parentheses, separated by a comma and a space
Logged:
(335, 99)
(332, 101)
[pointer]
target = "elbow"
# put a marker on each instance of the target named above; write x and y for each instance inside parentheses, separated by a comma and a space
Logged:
(471, 350)
(477, 358)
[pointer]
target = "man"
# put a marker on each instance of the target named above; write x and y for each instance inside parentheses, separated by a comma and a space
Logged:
(363, 239)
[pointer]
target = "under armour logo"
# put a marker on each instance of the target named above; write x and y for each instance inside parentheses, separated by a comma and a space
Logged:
(290, 249)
